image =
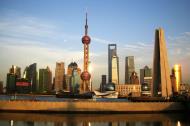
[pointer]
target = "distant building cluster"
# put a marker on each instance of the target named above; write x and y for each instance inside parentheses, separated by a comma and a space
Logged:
(152, 82)
(41, 82)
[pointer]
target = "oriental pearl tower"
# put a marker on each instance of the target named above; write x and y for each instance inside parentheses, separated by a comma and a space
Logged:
(85, 76)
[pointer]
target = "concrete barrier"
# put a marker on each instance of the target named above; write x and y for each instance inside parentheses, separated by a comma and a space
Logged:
(91, 106)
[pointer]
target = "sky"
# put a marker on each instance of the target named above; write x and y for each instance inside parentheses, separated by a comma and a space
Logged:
(50, 31)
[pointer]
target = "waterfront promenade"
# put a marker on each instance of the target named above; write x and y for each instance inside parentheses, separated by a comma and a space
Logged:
(53, 104)
(90, 106)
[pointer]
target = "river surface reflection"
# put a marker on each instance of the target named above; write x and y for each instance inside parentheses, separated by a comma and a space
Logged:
(52, 119)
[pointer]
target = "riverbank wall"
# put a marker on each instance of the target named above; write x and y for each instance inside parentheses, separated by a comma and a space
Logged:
(90, 106)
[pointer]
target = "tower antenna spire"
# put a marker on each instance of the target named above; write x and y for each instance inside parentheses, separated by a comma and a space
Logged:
(86, 25)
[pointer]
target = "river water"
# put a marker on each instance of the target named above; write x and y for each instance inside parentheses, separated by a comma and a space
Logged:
(53, 119)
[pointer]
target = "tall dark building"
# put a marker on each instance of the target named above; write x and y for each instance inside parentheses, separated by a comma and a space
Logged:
(12, 76)
(113, 64)
(103, 79)
(103, 83)
(30, 73)
(161, 75)
(1, 87)
(145, 72)
(11, 83)
(129, 68)
(45, 80)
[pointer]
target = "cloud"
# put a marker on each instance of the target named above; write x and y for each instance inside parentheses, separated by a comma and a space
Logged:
(102, 41)
(38, 51)
(179, 45)
(26, 26)
(138, 45)
(187, 33)
(35, 30)
(26, 40)
(179, 53)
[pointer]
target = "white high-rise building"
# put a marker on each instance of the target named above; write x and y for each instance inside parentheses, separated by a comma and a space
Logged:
(113, 64)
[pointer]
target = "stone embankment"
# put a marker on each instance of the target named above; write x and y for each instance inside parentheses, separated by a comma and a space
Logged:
(91, 106)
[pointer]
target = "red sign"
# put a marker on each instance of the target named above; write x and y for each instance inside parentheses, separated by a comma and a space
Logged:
(22, 84)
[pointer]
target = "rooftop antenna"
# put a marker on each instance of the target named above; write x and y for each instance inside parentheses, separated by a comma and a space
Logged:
(86, 25)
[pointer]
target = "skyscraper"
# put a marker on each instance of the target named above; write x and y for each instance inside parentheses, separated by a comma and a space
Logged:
(129, 68)
(45, 80)
(146, 80)
(85, 76)
(145, 72)
(30, 73)
(176, 72)
(104, 79)
(73, 80)
(14, 73)
(59, 76)
(15, 70)
(134, 79)
(70, 68)
(161, 75)
(173, 82)
(11, 83)
(103, 83)
(113, 64)
(1, 86)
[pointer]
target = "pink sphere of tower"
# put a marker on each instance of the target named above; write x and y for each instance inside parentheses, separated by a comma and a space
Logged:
(86, 39)
(85, 76)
